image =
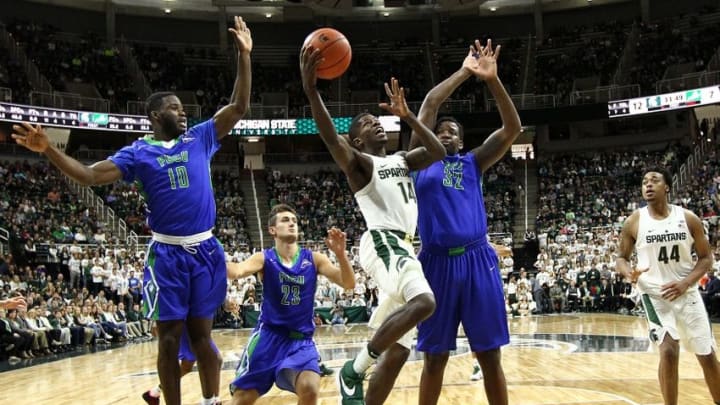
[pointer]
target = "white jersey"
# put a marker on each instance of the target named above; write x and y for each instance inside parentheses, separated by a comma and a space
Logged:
(388, 200)
(665, 248)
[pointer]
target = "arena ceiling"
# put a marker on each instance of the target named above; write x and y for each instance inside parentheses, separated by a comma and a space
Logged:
(299, 10)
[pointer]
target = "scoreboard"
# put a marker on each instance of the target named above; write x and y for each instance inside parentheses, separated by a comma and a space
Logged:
(55, 117)
(664, 102)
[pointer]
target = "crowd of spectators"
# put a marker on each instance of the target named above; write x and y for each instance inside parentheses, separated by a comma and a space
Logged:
(82, 59)
(13, 76)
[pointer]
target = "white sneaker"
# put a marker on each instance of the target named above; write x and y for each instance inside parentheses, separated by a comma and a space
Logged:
(477, 374)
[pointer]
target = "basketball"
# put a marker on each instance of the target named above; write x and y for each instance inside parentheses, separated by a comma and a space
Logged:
(334, 48)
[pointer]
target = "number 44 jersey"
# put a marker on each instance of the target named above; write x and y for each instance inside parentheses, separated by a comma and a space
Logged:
(388, 201)
(664, 247)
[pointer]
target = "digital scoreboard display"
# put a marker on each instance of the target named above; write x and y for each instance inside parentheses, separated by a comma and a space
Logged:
(664, 102)
(54, 117)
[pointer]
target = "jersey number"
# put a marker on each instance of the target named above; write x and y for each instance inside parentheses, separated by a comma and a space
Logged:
(178, 177)
(674, 254)
(408, 194)
(291, 294)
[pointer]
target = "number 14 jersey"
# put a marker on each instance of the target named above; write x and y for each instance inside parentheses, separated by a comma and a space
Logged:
(665, 246)
(388, 201)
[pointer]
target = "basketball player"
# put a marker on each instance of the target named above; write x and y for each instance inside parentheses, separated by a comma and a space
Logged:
(281, 349)
(185, 267)
(384, 192)
(459, 262)
(187, 361)
(664, 236)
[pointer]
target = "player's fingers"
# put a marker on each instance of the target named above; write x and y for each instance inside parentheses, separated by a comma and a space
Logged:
(388, 91)
(497, 52)
(384, 106)
(395, 86)
(20, 129)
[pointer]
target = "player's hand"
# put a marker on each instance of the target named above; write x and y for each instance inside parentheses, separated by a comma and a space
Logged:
(486, 60)
(674, 289)
(33, 138)
(398, 106)
(635, 274)
(242, 36)
(336, 241)
(14, 303)
(310, 59)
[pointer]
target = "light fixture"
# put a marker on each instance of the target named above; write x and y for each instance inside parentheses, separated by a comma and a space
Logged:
(386, 14)
(268, 15)
(168, 11)
(493, 8)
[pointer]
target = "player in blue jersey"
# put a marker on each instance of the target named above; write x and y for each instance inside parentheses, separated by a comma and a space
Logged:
(281, 348)
(185, 271)
(459, 262)
(187, 361)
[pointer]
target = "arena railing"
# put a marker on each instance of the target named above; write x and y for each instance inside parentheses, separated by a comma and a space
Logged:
(36, 79)
(6, 94)
(342, 109)
(4, 241)
(104, 213)
(69, 101)
(526, 101)
(688, 81)
(604, 94)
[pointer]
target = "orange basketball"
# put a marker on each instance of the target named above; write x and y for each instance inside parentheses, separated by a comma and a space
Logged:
(334, 48)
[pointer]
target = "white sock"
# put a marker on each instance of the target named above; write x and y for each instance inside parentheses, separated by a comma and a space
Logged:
(208, 401)
(216, 400)
(363, 361)
(156, 391)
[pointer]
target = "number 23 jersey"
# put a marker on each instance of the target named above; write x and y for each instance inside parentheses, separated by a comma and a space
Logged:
(173, 178)
(665, 246)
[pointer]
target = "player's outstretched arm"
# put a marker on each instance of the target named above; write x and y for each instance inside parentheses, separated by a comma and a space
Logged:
(342, 152)
(499, 141)
(625, 248)
(228, 116)
(431, 150)
(343, 276)
(438, 94)
(248, 267)
(35, 139)
(13, 303)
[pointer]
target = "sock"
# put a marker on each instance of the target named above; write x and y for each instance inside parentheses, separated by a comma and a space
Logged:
(208, 401)
(156, 391)
(216, 399)
(364, 360)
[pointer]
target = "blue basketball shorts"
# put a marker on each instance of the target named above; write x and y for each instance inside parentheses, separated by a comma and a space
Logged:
(468, 288)
(273, 357)
(184, 281)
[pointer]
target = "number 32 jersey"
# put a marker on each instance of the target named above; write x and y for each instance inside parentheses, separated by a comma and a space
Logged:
(388, 201)
(666, 246)
(173, 178)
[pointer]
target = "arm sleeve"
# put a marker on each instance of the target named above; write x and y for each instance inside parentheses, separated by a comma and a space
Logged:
(124, 159)
(205, 132)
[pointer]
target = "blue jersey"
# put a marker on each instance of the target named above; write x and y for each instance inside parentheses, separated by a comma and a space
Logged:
(451, 210)
(174, 179)
(289, 292)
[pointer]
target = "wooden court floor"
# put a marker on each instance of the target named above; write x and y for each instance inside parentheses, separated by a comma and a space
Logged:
(598, 359)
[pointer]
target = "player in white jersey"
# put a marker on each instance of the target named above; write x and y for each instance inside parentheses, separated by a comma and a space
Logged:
(664, 236)
(385, 194)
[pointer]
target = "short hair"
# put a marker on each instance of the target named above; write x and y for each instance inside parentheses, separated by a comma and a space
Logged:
(447, 118)
(352, 130)
(276, 209)
(154, 101)
(667, 177)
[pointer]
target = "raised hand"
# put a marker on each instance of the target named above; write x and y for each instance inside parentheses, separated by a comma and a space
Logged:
(398, 105)
(241, 34)
(33, 138)
(310, 59)
(14, 303)
(336, 241)
(485, 66)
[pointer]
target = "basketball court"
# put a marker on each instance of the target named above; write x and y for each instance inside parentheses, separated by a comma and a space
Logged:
(594, 359)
